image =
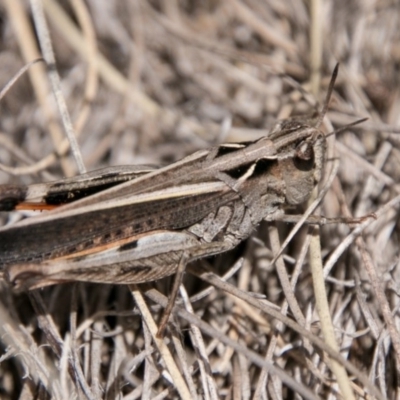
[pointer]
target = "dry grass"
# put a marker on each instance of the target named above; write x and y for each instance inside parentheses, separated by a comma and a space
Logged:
(151, 82)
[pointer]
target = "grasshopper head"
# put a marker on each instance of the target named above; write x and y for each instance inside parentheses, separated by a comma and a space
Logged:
(300, 146)
(302, 169)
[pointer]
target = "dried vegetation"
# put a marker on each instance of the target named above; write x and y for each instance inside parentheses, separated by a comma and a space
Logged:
(151, 82)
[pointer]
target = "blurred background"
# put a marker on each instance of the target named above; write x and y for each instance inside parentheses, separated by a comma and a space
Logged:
(149, 82)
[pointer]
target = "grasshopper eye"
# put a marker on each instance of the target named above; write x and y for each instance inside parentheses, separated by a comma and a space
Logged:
(305, 151)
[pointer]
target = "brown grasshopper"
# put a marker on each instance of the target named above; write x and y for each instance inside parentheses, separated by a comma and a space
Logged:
(132, 225)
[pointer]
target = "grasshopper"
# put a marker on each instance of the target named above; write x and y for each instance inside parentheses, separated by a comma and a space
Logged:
(138, 224)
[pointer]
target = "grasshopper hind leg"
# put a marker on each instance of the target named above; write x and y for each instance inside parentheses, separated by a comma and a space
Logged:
(142, 259)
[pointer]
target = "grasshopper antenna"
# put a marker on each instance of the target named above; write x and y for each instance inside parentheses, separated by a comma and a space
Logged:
(328, 96)
(326, 106)
(345, 127)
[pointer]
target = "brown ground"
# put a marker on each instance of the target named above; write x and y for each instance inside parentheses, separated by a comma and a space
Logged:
(170, 76)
